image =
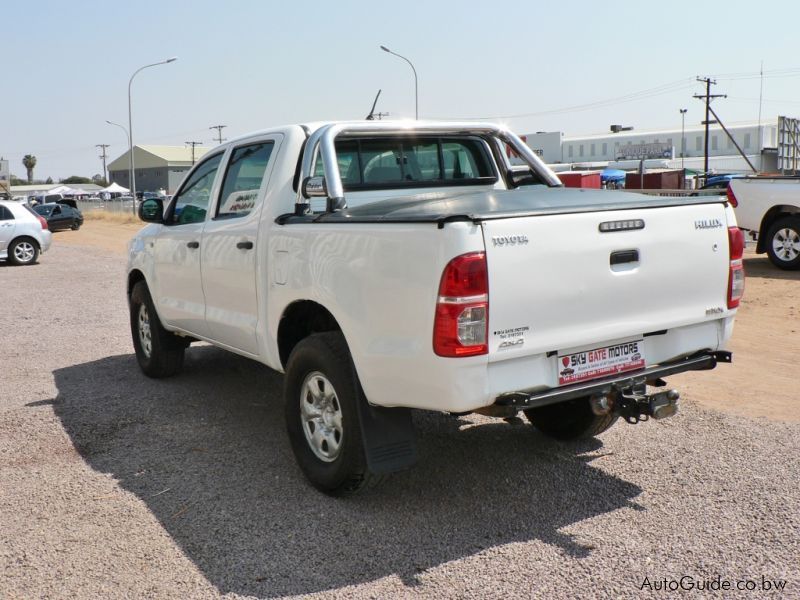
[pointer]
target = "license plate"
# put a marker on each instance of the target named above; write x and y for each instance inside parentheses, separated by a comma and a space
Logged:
(600, 362)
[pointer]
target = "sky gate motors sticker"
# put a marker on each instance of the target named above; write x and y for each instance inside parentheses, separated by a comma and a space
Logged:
(600, 362)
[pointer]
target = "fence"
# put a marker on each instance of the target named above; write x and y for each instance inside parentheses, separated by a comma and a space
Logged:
(112, 206)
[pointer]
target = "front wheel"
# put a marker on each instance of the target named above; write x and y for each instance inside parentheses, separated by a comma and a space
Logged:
(570, 420)
(158, 352)
(23, 252)
(75, 226)
(321, 392)
(783, 243)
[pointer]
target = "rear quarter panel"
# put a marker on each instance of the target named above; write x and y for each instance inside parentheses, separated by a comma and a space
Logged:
(380, 282)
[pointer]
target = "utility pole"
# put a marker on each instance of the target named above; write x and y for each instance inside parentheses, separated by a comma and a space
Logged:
(708, 98)
(193, 144)
(219, 129)
(103, 158)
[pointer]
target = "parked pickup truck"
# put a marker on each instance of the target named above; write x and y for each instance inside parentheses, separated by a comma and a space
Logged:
(389, 266)
(769, 207)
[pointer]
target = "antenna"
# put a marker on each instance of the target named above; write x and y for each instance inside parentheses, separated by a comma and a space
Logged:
(371, 115)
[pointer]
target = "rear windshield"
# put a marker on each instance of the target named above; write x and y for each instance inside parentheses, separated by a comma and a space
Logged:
(43, 210)
(404, 162)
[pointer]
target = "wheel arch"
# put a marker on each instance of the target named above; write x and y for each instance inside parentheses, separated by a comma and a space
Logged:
(772, 215)
(30, 238)
(299, 320)
(134, 277)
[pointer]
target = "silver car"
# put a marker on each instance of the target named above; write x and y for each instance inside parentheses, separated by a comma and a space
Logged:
(23, 234)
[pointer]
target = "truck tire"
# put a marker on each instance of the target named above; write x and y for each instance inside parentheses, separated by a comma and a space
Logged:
(23, 251)
(158, 351)
(783, 243)
(321, 390)
(570, 420)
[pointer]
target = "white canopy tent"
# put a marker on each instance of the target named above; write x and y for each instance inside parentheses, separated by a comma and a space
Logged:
(115, 188)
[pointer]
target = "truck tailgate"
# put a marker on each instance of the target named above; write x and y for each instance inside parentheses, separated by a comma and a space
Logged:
(557, 282)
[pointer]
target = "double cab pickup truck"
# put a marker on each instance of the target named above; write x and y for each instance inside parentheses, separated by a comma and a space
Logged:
(769, 208)
(391, 266)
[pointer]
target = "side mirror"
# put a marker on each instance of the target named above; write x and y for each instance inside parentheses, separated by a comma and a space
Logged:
(151, 210)
(314, 187)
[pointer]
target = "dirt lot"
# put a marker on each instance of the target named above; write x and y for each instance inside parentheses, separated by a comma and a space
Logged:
(114, 485)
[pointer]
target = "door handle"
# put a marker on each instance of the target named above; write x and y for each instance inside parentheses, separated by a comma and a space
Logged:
(193, 244)
(244, 245)
(624, 256)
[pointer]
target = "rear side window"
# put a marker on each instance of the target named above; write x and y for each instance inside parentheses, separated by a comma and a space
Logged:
(376, 163)
(5, 214)
(243, 178)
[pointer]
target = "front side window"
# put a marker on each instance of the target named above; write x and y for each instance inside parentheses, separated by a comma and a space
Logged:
(243, 179)
(191, 203)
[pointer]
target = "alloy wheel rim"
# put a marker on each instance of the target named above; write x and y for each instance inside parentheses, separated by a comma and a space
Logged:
(24, 252)
(145, 337)
(786, 244)
(321, 417)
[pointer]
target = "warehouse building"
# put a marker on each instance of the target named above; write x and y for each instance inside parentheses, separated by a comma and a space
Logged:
(157, 167)
(663, 148)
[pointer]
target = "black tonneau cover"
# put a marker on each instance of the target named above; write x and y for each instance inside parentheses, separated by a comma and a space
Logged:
(441, 207)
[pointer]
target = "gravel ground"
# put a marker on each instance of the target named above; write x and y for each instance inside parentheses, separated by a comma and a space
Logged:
(113, 485)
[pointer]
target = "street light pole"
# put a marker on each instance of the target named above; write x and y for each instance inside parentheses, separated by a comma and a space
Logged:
(130, 125)
(683, 138)
(127, 135)
(416, 83)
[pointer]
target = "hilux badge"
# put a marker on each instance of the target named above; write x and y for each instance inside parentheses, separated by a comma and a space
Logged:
(708, 224)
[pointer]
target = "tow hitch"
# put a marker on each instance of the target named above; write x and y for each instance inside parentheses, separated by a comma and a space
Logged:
(634, 404)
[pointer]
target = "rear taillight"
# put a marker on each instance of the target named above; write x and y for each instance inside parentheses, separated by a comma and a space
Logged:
(42, 222)
(731, 197)
(462, 310)
(736, 274)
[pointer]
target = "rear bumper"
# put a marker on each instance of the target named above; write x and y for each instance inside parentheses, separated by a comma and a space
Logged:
(702, 361)
(47, 239)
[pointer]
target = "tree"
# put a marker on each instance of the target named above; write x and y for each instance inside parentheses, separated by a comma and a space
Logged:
(29, 161)
(49, 180)
(17, 181)
(75, 179)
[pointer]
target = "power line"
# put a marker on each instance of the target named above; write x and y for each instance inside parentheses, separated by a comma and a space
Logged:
(219, 129)
(103, 157)
(666, 88)
(193, 144)
(707, 97)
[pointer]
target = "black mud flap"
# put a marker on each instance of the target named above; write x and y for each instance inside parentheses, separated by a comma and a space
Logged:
(390, 442)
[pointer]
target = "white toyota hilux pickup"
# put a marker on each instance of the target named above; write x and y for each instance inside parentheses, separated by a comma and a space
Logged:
(769, 208)
(389, 266)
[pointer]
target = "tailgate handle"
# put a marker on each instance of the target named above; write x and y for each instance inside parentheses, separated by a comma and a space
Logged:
(624, 256)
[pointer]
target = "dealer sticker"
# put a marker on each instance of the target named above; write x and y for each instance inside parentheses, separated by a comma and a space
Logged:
(600, 362)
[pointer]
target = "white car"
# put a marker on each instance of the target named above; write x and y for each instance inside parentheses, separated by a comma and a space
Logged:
(769, 208)
(23, 234)
(388, 266)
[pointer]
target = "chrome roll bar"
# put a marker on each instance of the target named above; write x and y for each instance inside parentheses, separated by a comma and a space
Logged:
(322, 143)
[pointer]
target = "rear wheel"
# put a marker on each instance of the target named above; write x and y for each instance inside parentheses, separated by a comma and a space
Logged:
(570, 420)
(23, 251)
(321, 392)
(158, 352)
(783, 243)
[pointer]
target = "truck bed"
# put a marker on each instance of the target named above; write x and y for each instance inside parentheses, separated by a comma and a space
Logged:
(444, 206)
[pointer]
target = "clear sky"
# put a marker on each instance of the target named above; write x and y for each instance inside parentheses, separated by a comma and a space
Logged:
(575, 67)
